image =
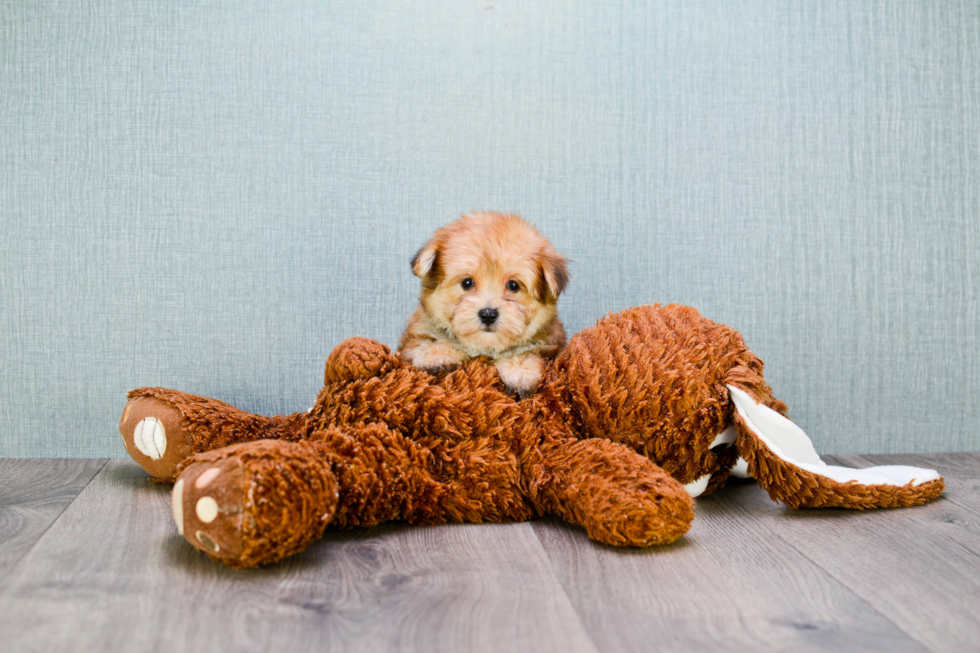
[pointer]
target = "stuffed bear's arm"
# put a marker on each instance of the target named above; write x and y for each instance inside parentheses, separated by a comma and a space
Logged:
(620, 497)
(357, 359)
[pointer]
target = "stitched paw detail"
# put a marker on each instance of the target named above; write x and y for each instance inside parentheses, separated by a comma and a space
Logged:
(208, 506)
(153, 435)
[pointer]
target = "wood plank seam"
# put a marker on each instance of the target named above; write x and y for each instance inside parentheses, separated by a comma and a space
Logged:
(61, 512)
(561, 587)
(760, 522)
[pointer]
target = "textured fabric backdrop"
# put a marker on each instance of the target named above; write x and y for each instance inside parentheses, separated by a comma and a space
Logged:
(210, 196)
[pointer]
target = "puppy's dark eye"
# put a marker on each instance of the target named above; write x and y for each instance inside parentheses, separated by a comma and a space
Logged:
(513, 286)
(467, 283)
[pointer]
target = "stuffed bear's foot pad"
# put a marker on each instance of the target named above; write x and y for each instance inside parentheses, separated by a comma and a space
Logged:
(152, 432)
(256, 502)
(209, 506)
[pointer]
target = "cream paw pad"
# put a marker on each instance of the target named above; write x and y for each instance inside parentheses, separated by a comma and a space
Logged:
(208, 506)
(241, 503)
(151, 430)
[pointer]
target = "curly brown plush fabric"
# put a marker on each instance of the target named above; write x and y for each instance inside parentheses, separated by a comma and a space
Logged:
(626, 416)
(654, 379)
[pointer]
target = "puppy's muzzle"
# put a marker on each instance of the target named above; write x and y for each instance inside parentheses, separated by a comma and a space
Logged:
(488, 316)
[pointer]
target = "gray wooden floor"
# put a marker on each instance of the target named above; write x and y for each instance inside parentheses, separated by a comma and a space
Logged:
(90, 561)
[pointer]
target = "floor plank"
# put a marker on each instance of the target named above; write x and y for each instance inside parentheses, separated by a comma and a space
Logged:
(948, 464)
(919, 567)
(724, 586)
(112, 574)
(33, 493)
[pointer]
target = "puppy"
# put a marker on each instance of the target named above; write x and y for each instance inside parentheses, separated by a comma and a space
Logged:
(490, 287)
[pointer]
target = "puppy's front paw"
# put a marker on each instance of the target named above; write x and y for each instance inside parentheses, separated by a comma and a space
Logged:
(438, 368)
(521, 374)
(436, 358)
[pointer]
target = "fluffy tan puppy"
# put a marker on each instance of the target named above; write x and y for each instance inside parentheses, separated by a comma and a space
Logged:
(490, 287)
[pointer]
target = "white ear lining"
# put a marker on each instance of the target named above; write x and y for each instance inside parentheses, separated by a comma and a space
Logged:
(788, 442)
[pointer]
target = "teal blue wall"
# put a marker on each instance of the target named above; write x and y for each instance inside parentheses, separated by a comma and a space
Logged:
(209, 196)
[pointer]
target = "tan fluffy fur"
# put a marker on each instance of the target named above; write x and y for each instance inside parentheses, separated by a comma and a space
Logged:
(486, 251)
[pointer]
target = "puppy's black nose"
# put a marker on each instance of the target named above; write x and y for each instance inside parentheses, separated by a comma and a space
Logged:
(488, 315)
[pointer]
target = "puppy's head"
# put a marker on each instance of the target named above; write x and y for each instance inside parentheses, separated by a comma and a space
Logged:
(491, 279)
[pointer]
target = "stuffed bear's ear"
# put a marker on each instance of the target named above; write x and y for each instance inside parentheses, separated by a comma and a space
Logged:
(425, 260)
(554, 271)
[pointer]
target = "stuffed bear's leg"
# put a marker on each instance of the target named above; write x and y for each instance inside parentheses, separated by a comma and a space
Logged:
(782, 459)
(619, 496)
(257, 502)
(161, 428)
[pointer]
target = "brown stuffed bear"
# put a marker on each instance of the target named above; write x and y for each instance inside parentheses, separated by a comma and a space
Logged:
(638, 414)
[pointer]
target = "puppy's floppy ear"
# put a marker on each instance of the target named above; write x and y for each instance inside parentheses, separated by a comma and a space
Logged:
(425, 260)
(555, 272)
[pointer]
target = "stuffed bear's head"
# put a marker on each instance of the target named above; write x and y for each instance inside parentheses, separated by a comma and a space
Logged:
(628, 378)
